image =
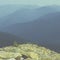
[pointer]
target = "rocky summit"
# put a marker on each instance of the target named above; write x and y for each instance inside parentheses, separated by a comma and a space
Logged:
(27, 52)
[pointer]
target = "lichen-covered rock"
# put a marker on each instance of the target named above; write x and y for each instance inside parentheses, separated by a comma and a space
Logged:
(5, 55)
(12, 59)
(30, 51)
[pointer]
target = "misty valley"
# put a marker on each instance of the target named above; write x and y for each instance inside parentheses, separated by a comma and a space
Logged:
(30, 25)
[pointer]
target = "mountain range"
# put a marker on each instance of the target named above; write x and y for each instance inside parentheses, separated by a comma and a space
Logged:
(44, 31)
(23, 15)
(37, 25)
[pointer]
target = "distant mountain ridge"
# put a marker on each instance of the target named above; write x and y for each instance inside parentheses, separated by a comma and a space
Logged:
(44, 31)
(6, 10)
(7, 39)
(27, 15)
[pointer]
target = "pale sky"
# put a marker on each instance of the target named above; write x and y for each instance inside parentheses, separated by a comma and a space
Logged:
(31, 2)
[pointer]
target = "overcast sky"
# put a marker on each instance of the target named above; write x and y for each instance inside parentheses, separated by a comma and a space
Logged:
(31, 2)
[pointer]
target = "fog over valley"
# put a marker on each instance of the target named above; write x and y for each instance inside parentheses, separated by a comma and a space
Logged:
(30, 24)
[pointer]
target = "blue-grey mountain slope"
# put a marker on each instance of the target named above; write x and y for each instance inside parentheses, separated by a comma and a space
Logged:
(7, 9)
(27, 14)
(7, 39)
(44, 31)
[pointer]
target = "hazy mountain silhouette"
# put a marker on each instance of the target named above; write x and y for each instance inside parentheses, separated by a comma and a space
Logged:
(9, 39)
(7, 9)
(26, 15)
(44, 31)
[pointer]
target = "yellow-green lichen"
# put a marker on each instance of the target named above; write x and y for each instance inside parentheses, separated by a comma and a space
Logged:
(32, 51)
